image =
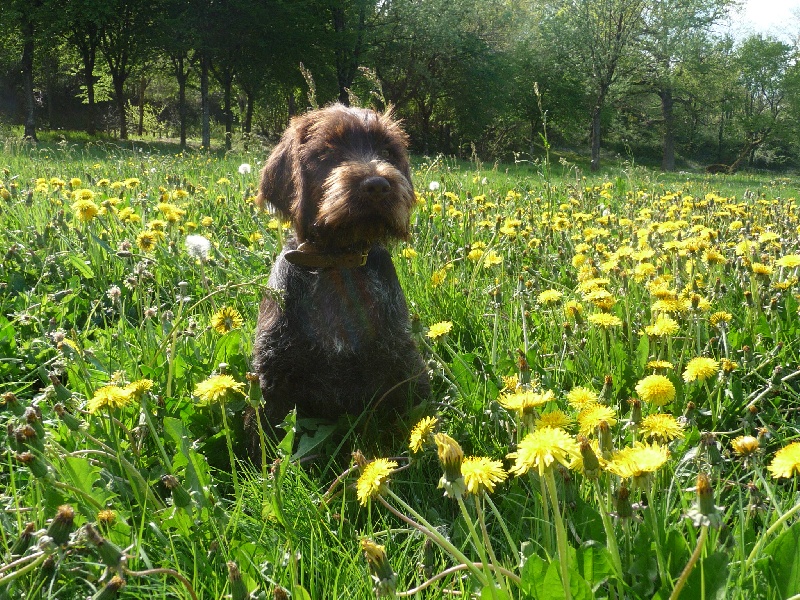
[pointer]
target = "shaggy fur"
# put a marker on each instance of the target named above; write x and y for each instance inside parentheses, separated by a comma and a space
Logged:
(339, 341)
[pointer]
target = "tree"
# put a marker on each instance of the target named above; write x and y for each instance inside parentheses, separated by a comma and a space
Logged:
(674, 33)
(596, 38)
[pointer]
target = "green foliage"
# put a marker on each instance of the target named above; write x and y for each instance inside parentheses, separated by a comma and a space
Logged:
(92, 470)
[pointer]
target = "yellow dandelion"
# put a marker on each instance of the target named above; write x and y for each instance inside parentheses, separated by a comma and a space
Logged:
(481, 474)
(605, 320)
(438, 277)
(408, 253)
(75, 183)
(492, 259)
(439, 330)
(83, 194)
(789, 261)
(374, 479)
(475, 254)
(524, 401)
(138, 388)
(131, 183)
(549, 297)
(638, 460)
(659, 364)
(700, 369)
(663, 327)
(108, 396)
(421, 433)
(720, 318)
(745, 445)
(761, 269)
(573, 309)
(146, 240)
(590, 418)
(226, 319)
(85, 209)
(554, 418)
(662, 426)
(216, 388)
(786, 461)
(656, 389)
(541, 448)
(580, 397)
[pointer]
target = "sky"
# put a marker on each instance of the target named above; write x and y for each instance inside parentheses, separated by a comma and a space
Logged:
(776, 17)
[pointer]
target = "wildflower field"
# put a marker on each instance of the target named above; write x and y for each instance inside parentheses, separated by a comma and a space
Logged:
(615, 364)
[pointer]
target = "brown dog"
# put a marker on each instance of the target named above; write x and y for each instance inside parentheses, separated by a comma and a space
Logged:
(339, 342)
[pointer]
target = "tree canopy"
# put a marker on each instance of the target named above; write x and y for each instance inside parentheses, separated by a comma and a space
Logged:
(656, 81)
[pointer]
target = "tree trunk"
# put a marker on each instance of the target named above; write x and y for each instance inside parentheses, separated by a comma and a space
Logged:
(228, 85)
(27, 77)
(142, 87)
(668, 114)
(248, 113)
(181, 76)
(88, 75)
(205, 103)
(119, 96)
(595, 138)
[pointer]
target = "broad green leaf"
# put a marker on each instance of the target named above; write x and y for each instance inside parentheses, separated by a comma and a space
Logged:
(82, 266)
(784, 552)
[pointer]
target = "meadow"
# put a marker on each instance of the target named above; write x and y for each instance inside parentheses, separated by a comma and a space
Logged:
(614, 361)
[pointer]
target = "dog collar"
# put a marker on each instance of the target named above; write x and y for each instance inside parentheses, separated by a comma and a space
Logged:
(308, 255)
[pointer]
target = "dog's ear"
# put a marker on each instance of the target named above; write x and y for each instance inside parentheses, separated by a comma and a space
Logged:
(280, 180)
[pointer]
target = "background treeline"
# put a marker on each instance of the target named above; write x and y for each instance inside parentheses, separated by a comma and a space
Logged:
(655, 81)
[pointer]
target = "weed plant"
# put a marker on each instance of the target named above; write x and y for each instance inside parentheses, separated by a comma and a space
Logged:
(615, 409)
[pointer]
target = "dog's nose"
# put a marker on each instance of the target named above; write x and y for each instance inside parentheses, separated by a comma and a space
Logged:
(376, 186)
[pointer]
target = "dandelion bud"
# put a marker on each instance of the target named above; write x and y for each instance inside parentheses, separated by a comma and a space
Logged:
(604, 439)
(35, 463)
(180, 497)
(450, 456)
(777, 375)
(33, 416)
(70, 420)
(384, 579)
(109, 591)
(279, 593)
(10, 402)
(110, 554)
(61, 525)
(591, 466)
(636, 411)
(705, 513)
(748, 297)
(605, 392)
(622, 503)
(238, 586)
(23, 542)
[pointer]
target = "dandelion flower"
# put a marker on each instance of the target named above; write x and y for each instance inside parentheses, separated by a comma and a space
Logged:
(549, 297)
(605, 320)
(433, 186)
(85, 209)
(524, 401)
(580, 396)
(790, 261)
(217, 388)
(660, 364)
(244, 169)
(554, 418)
(421, 433)
(700, 369)
(374, 479)
(450, 454)
(438, 330)
(541, 448)
(438, 277)
(662, 426)
(786, 461)
(408, 253)
(592, 415)
(745, 445)
(720, 318)
(638, 461)
(492, 259)
(481, 473)
(663, 327)
(226, 319)
(108, 396)
(138, 388)
(656, 389)
(146, 240)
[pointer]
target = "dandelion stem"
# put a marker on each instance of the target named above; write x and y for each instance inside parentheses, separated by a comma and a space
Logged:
(611, 538)
(476, 541)
(511, 543)
(5, 579)
(651, 517)
(429, 530)
(687, 570)
(561, 533)
(229, 443)
(488, 541)
(455, 569)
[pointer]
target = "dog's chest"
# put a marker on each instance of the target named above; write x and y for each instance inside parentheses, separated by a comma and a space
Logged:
(345, 310)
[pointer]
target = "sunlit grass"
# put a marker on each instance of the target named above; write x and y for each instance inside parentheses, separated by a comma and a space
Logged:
(615, 358)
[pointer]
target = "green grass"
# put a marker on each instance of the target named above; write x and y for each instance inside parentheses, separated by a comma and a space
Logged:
(83, 307)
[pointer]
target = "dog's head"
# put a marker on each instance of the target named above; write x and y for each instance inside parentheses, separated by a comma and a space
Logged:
(342, 176)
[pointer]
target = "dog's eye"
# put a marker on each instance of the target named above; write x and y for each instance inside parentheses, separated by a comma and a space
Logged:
(386, 153)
